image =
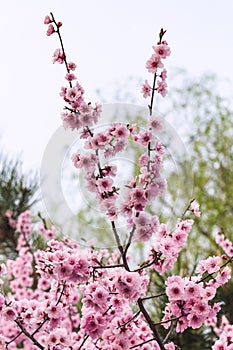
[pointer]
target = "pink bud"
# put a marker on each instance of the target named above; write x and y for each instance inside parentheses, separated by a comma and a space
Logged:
(59, 24)
(71, 66)
(50, 30)
(70, 76)
(47, 20)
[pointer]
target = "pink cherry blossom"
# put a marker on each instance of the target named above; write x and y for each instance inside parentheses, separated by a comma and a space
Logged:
(162, 50)
(153, 64)
(146, 89)
(162, 88)
(58, 56)
(70, 77)
(71, 66)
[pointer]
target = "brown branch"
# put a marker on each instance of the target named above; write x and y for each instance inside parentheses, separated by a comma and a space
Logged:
(83, 342)
(30, 336)
(62, 46)
(154, 296)
(151, 324)
(119, 245)
(131, 319)
(107, 266)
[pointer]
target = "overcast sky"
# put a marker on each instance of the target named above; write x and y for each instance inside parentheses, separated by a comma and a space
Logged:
(109, 40)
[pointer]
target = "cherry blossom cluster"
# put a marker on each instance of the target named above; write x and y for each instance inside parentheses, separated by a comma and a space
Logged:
(167, 245)
(65, 297)
(225, 334)
(78, 113)
(155, 66)
(40, 310)
(225, 244)
(23, 226)
(190, 298)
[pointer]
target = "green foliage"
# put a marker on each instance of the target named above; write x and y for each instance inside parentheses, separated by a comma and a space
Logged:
(17, 193)
(209, 132)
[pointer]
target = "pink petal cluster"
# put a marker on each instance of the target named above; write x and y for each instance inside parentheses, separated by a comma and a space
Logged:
(225, 334)
(153, 65)
(46, 286)
(225, 244)
(167, 246)
(191, 299)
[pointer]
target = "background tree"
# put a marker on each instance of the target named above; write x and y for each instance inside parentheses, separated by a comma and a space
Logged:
(17, 194)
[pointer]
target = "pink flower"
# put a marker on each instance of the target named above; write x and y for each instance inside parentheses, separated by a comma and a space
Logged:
(212, 264)
(80, 271)
(63, 271)
(73, 93)
(50, 30)
(100, 296)
(192, 290)
(144, 137)
(182, 324)
(9, 213)
(170, 346)
(220, 345)
(175, 288)
(195, 320)
(144, 159)
(119, 130)
(162, 50)
(223, 276)
(194, 207)
(163, 74)
(71, 66)
(138, 198)
(9, 314)
(153, 64)
(54, 311)
(162, 88)
(58, 56)
(155, 123)
(93, 324)
(70, 77)
(146, 89)
(129, 284)
(104, 184)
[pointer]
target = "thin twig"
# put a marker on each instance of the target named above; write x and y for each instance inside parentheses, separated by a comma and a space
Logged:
(145, 342)
(11, 341)
(83, 342)
(154, 296)
(30, 336)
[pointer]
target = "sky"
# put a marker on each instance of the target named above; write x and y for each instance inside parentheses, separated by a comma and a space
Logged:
(109, 40)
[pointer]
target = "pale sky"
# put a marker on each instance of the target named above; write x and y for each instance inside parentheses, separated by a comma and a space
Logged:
(109, 40)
